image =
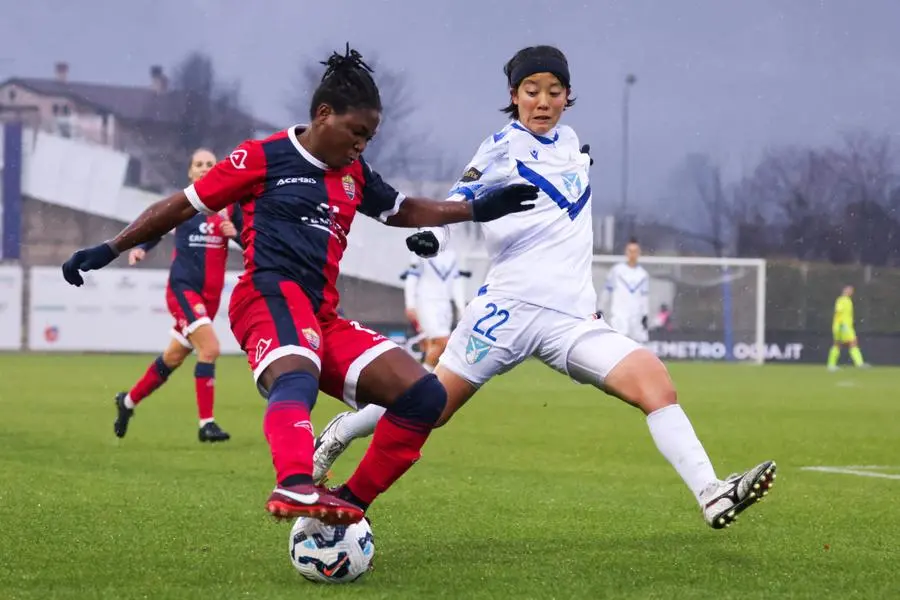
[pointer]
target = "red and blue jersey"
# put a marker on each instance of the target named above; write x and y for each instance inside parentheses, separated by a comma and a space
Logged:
(297, 212)
(201, 253)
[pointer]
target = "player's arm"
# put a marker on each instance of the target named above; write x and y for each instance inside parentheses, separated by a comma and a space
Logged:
(139, 252)
(149, 245)
(151, 225)
(424, 212)
(383, 202)
(229, 181)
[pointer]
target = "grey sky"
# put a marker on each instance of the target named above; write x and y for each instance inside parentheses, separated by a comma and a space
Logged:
(725, 78)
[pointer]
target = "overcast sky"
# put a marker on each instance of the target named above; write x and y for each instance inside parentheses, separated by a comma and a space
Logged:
(726, 78)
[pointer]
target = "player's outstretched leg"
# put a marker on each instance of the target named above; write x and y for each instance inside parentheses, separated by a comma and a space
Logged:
(615, 364)
(414, 401)
(337, 435)
(293, 385)
(156, 374)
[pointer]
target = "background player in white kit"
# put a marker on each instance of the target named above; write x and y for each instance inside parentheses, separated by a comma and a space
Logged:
(539, 297)
(433, 287)
(625, 297)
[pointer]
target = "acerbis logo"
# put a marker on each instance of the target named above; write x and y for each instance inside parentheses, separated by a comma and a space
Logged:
(238, 158)
(295, 180)
(207, 228)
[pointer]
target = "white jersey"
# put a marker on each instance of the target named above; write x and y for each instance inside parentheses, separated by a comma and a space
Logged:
(626, 292)
(541, 256)
(434, 280)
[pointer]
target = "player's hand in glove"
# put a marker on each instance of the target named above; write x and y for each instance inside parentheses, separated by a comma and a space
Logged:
(424, 244)
(503, 201)
(586, 149)
(88, 259)
(644, 322)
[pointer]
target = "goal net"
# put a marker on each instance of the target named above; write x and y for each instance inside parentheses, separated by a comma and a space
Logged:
(715, 306)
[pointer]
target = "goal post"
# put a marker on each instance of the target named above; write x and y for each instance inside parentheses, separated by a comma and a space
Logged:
(718, 305)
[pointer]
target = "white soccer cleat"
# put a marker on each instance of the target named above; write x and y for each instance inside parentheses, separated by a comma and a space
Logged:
(327, 450)
(723, 501)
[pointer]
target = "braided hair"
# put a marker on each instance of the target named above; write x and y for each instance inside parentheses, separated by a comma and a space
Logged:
(346, 84)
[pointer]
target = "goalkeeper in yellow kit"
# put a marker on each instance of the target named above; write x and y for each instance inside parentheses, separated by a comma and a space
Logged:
(843, 332)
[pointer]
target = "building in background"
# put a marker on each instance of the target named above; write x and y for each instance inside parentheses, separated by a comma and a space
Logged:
(131, 119)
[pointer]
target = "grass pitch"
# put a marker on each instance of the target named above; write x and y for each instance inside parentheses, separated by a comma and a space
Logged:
(538, 489)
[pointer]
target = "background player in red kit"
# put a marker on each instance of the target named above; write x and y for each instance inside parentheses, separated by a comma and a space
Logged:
(299, 191)
(196, 279)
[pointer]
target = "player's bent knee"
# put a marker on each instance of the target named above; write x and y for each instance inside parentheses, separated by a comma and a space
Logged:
(174, 355)
(205, 343)
(421, 405)
(641, 379)
(209, 352)
(293, 363)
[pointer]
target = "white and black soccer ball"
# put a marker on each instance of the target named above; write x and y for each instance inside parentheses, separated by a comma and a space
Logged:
(331, 554)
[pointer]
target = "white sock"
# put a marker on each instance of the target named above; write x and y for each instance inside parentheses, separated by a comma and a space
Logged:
(359, 424)
(428, 367)
(129, 403)
(674, 436)
(205, 421)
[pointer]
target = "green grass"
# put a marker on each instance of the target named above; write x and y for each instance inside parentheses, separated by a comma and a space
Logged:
(539, 489)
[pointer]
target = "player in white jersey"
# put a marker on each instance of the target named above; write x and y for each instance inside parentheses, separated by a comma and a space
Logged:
(539, 299)
(432, 285)
(625, 298)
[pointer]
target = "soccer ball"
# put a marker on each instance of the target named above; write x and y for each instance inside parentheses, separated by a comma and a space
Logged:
(331, 554)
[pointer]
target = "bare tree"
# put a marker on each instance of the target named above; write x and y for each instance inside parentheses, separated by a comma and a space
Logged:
(835, 204)
(207, 113)
(705, 205)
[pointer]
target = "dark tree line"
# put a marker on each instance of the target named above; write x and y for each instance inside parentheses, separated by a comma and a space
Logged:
(839, 204)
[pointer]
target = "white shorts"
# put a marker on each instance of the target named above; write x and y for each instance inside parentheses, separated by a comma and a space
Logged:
(495, 334)
(631, 327)
(435, 318)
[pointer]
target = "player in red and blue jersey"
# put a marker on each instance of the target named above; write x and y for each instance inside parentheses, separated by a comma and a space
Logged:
(196, 279)
(299, 191)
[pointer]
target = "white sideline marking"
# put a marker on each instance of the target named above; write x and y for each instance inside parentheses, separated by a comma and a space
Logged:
(862, 471)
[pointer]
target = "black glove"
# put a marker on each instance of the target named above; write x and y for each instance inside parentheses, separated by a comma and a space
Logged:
(503, 201)
(586, 149)
(644, 322)
(88, 259)
(423, 243)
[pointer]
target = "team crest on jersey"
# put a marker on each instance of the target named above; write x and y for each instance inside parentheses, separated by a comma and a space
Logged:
(572, 182)
(311, 337)
(349, 186)
(471, 174)
(199, 309)
(476, 350)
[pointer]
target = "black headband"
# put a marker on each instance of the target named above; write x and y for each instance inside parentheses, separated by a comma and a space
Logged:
(539, 64)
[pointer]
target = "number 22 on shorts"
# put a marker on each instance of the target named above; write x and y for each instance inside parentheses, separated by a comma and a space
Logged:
(491, 321)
